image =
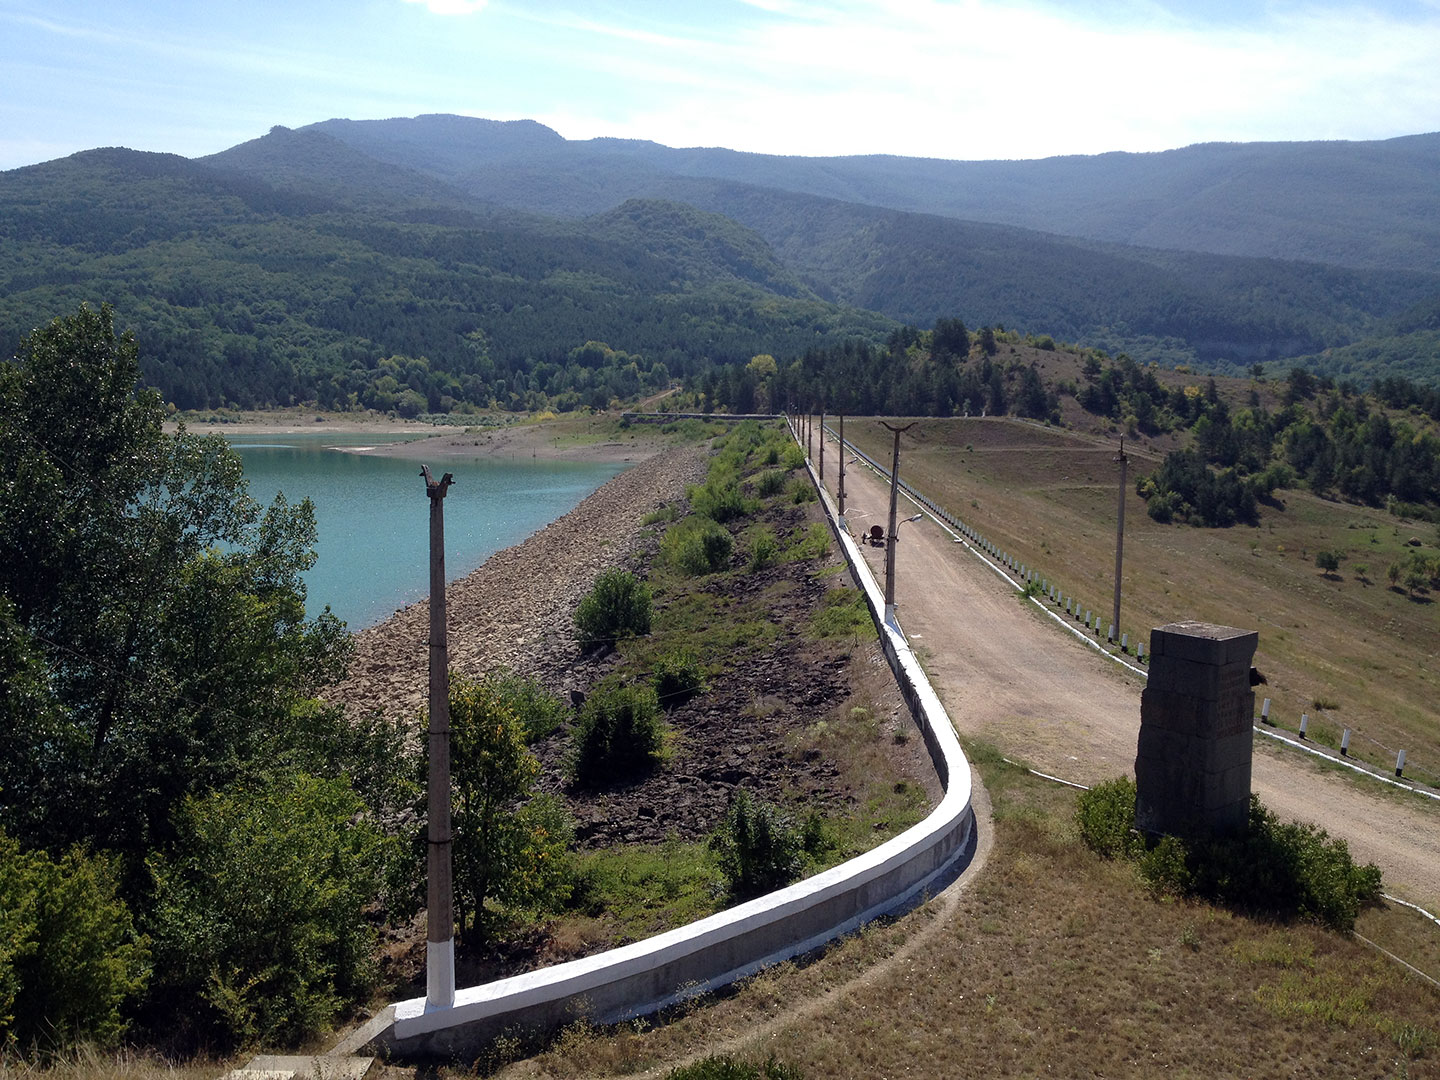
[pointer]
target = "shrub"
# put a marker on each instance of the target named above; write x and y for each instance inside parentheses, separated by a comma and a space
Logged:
(69, 953)
(719, 498)
(758, 850)
(804, 491)
(678, 677)
(764, 548)
(1106, 817)
(259, 922)
(619, 733)
(1284, 870)
(540, 712)
(812, 544)
(617, 607)
(697, 546)
(771, 482)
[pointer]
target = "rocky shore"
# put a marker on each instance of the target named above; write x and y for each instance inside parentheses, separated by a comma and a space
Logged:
(515, 610)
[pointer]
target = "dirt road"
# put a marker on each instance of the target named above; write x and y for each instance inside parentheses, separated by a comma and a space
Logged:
(1007, 673)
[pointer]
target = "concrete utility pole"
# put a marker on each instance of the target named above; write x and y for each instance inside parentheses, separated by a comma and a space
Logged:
(891, 539)
(840, 487)
(822, 448)
(439, 902)
(809, 435)
(1119, 534)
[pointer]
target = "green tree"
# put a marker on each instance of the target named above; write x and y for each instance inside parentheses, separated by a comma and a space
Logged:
(260, 924)
(1327, 561)
(152, 612)
(510, 845)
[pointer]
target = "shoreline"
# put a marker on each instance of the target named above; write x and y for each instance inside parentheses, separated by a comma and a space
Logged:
(514, 610)
(587, 439)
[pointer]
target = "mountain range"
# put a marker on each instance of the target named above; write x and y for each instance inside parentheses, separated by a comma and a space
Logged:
(302, 264)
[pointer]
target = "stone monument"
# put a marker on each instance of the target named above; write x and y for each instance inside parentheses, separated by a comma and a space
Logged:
(1192, 764)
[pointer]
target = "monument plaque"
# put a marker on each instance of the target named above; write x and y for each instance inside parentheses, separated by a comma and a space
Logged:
(1192, 763)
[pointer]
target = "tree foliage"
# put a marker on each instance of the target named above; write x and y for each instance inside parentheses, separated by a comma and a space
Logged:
(152, 613)
(510, 844)
(70, 955)
(259, 920)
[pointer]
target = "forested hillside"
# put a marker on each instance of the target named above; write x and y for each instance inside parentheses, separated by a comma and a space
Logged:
(1361, 204)
(420, 265)
(256, 295)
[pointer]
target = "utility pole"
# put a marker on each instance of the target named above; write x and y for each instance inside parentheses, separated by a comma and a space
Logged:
(892, 538)
(1120, 534)
(439, 901)
(809, 435)
(822, 448)
(840, 488)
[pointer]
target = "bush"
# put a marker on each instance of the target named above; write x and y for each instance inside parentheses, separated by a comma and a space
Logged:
(771, 483)
(843, 612)
(1106, 817)
(719, 499)
(804, 491)
(259, 921)
(697, 546)
(617, 607)
(540, 712)
(764, 548)
(1284, 870)
(678, 677)
(620, 733)
(69, 953)
(758, 850)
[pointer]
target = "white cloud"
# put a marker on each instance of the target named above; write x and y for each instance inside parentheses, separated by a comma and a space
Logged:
(982, 78)
(452, 7)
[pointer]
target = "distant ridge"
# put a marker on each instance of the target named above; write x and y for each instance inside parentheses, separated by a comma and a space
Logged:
(1372, 205)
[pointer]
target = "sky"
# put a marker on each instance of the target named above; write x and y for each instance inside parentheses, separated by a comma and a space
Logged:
(961, 79)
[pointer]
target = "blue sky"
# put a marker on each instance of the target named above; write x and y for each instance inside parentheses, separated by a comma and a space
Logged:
(968, 79)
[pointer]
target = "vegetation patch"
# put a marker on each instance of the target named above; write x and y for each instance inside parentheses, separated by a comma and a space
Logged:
(1284, 870)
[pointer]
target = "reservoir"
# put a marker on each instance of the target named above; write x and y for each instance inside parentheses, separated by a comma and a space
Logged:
(373, 515)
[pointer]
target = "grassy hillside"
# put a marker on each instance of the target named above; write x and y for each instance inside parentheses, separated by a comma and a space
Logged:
(1345, 647)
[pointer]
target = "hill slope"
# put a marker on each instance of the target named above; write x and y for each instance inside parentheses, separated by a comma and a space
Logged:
(1359, 204)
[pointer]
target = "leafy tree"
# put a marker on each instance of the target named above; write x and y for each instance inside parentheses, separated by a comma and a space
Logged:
(950, 339)
(259, 922)
(152, 616)
(510, 845)
(1327, 561)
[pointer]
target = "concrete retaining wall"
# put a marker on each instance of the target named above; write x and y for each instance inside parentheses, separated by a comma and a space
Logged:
(649, 975)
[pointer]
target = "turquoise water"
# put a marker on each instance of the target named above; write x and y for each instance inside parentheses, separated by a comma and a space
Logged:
(374, 517)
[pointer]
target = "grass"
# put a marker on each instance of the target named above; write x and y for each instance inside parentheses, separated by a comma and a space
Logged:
(1361, 649)
(1054, 962)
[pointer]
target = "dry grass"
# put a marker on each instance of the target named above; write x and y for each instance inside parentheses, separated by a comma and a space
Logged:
(1054, 963)
(88, 1063)
(1347, 652)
